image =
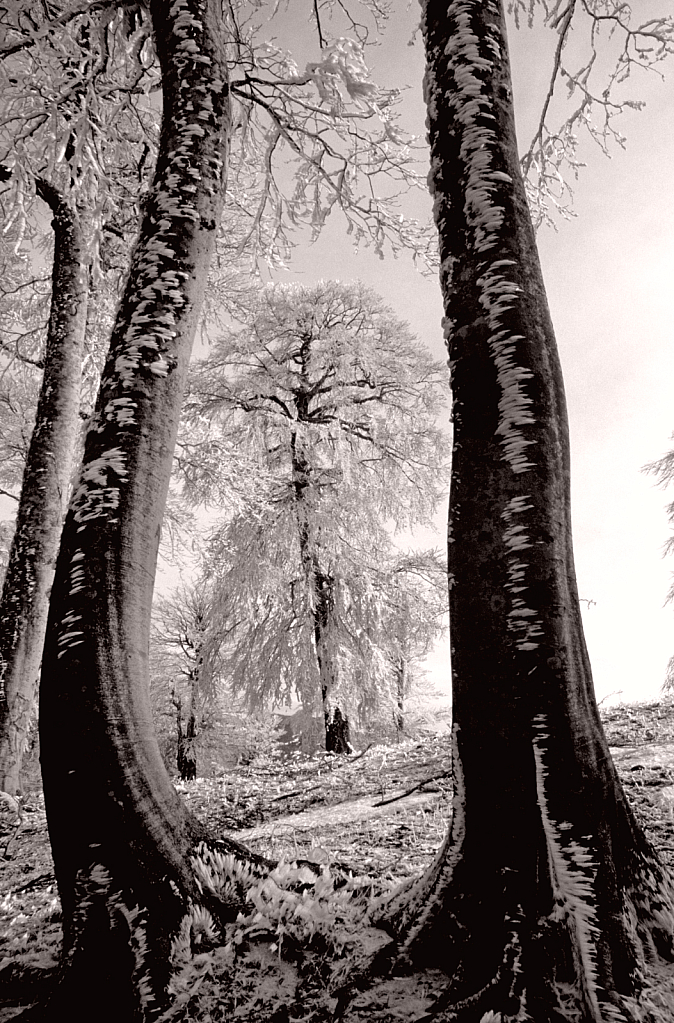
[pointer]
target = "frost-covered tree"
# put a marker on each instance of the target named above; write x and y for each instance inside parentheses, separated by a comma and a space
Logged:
(185, 670)
(330, 395)
(546, 901)
(63, 128)
(386, 610)
(663, 470)
(415, 613)
(121, 839)
(45, 490)
(80, 121)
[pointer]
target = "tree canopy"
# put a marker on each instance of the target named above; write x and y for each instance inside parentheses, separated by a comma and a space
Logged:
(335, 405)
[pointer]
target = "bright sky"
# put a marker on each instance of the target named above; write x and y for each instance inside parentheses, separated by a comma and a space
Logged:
(609, 274)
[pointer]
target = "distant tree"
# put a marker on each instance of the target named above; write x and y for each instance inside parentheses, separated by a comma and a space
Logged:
(663, 469)
(386, 610)
(415, 615)
(337, 404)
(185, 667)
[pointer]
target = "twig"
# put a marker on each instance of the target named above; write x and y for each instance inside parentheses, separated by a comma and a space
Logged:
(337, 763)
(34, 883)
(394, 799)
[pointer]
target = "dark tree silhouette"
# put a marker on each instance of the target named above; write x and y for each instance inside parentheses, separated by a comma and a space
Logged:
(122, 841)
(44, 490)
(546, 902)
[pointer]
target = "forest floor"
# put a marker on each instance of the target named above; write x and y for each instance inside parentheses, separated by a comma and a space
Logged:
(380, 815)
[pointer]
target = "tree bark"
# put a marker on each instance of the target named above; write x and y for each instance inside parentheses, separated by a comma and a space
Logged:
(44, 490)
(121, 838)
(320, 584)
(400, 669)
(545, 902)
(186, 757)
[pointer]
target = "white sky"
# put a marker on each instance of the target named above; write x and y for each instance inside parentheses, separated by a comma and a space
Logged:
(609, 275)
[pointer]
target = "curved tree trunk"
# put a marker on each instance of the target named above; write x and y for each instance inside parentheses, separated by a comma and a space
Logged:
(121, 838)
(545, 902)
(44, 491)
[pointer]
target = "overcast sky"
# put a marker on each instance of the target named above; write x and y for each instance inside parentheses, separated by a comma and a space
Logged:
(609, 274)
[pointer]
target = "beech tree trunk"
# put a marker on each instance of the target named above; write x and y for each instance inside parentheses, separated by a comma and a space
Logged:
(320, 583)
(545, 902)
(186, 757)
(121, 838)
(400, 670)
(44, 490)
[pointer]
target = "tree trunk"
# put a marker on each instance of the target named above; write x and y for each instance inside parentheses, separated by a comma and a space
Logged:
(320, 585)
(44, 491)
(337, 732)
(121, 838)
(336, 723)
(545, 902)
(401, 690)
(187, 751)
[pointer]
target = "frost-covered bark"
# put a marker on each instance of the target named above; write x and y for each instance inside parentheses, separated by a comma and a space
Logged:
(335, 404)
(545, 902)
(44, 491)
(320, 586)
(121, 838)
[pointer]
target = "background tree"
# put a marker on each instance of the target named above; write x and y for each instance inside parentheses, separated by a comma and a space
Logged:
(415, 615)
(80, 116)
(663, 469)
(186, 669)
(545, 900)
(332, 397)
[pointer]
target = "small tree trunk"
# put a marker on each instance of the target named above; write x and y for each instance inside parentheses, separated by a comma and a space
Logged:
(44, 491)
(320, 584)
(337, 738)
(121, 838)
(187, 753)
(401, 688)
(545, 902)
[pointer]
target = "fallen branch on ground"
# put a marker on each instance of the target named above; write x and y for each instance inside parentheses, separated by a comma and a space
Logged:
(435, 777)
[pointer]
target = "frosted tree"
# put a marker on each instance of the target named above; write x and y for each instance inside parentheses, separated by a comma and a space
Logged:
(663, 470)
(546, 901)
(80, 123)
(63, 122)
(45, 490)
(599, 45)
(335, 401)
(185, 669)
(415, 613)
(123, 868)
(386, 609)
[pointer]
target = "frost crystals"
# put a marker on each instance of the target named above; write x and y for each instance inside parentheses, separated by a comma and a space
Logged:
(472, 105)
(521, 619)
(572, 874)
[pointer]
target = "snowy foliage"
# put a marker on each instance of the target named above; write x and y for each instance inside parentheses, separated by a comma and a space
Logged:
(335, 406)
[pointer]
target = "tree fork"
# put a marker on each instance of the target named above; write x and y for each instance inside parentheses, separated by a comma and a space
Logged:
(545, 901)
